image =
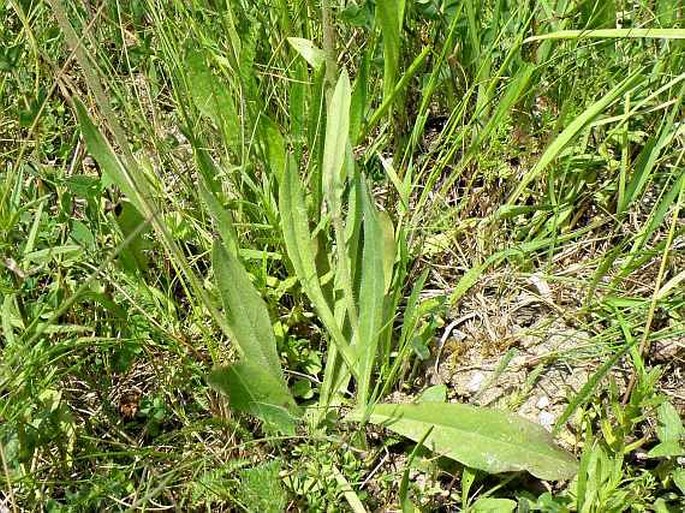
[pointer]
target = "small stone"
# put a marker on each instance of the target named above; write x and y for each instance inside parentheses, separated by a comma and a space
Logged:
(664, 351)
(546, 420)
(540, 285)
(542, 403)
(476, 382)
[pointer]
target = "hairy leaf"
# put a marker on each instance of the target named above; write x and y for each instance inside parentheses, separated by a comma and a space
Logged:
(255, 385)
(378, 256)
(337, 135)
(246, 313)
(298, 243)
(253, 389)
(486, 439)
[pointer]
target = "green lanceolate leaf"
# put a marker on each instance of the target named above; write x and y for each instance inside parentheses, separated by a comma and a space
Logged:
(212, 98)
(133, 256)
(298, 243)
(254, 385)
(337, 134)
(371, 294)
(314, 56)
(253, 389)
(275, 146)
(486, 439)
(132, 217)
(359, 98)
(389, 15)
(389, 248)
(222, 218)
(334, 177)
(102, 152)
(246, 313)
(671, 433)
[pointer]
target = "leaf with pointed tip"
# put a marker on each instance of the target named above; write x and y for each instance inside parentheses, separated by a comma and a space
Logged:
(212, 98)
(102, 152)
(246, 313)
(390, 15)
(314, 56)
(371, 293)
(298, 243)
(252, 389)
(254, 385)
(671, 433)
(222, 217)
(335, 146)
(133, 256)
(486, 439)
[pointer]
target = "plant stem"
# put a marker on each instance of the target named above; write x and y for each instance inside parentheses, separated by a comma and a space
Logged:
(328, 42)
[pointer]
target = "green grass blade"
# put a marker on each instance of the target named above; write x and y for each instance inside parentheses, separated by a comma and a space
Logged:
(655, 220)
(401, 85)
(647, 160)
(412, 315)
(572, 130)
(513, 92)
(629, 33)
(403, 492)
(585, 393)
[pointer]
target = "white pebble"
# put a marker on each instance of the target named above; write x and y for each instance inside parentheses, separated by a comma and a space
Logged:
(546, 419)
(542, 403)
(476, 382)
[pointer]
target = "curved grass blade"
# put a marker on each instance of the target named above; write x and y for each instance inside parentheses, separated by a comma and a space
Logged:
(629, 33)
(565, 137)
